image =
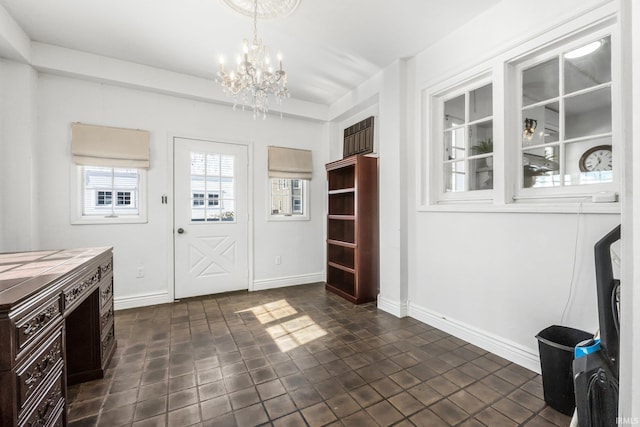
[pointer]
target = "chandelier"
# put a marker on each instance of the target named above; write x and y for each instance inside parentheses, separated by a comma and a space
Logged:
(255, 77)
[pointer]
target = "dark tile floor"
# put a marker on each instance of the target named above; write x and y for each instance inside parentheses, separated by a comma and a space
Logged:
(300, 356)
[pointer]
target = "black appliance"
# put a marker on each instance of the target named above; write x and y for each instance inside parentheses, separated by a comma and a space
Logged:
(595, 375)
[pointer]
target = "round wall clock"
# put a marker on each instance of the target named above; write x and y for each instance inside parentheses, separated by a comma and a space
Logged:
(598, 158)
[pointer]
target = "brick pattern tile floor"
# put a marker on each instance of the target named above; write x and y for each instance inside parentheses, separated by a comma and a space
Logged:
(300, 356)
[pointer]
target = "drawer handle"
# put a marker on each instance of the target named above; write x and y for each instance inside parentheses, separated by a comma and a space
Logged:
(38, 321)
(39, 370)
(42, 414)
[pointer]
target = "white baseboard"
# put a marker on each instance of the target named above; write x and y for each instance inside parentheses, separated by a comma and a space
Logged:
(397, 308)
(143, 300)
(281, 282)
(500, 346)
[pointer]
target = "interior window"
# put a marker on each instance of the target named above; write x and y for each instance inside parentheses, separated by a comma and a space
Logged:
(566, 118)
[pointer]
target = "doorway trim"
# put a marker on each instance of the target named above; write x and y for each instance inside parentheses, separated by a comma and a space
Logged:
(171, 138)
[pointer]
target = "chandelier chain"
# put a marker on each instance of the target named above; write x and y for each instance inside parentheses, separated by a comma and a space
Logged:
(254, 80)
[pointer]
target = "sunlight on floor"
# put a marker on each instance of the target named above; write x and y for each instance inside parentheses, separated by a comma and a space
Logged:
(267, 313)
(287, 334)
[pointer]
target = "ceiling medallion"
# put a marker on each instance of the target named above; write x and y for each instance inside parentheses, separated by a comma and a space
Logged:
(267, 9)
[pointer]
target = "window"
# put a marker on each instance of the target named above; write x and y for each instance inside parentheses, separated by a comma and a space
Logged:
(288, 197)
(99, 184)
(124, 198)
(549, 138)
(566, 117)
(466, 139)
(290, 170)
(110, 168)
(213, 175)
(198, 199)
(104, 198)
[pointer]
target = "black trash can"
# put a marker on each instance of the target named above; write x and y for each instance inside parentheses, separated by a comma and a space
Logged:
(556, 344)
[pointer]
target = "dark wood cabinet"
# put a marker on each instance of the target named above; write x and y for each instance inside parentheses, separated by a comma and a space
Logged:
(56, 328)
(358, 138)
(352, 228)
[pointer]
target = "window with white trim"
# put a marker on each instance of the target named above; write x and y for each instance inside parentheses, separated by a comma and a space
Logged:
(288, 197)
(566, 115)
(464, 137)
(109, 172)
(99, 184)
(290, 171)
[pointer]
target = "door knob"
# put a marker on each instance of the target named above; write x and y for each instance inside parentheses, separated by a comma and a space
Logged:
(180, 230)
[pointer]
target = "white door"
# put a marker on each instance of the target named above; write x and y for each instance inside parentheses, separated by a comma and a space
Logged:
(211, 217)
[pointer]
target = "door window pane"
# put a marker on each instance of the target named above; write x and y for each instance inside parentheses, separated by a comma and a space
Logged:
(226, 165)
(212, 186)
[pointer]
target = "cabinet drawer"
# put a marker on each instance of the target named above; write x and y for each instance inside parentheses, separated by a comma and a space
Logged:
(106, 292)
(39, 367)
(106, 267)
(106, 321)
(108, 341)
(59, 416)
(31, 325)
(47, 407)
(76, 291)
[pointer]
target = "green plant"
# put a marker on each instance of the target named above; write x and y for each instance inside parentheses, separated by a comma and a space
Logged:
(483, 147)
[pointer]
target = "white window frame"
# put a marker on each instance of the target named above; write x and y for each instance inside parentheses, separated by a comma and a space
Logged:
(294, 217)
(567, 193)
(434, 139)
(76, 202)
(506, 125)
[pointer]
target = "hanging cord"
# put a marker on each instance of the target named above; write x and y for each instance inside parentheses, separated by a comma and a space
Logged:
(255, 23)
(595, 402)
(573, 269)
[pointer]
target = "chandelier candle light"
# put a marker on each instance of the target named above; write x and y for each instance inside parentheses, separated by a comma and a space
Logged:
(254, 78)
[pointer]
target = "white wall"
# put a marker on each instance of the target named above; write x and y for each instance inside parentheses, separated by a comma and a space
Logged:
(63, 100)
(498, 278)
(18, 90)
(630, 282)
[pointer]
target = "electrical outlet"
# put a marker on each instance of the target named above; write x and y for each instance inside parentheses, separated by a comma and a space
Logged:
(140, 272)
(278, 260)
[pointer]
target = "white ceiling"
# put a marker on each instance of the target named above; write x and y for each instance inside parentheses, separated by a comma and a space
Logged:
(329, 46)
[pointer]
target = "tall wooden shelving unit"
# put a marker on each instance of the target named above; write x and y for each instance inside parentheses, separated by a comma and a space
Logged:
(352, 228)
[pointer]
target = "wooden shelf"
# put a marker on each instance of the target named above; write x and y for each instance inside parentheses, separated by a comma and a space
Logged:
(342, 267)
(342, 191)
(352, 240)
(342, 217)
(341, 243)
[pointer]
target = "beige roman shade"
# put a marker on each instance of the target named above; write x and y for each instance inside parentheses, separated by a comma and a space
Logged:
(290, 163)
(106, 146)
